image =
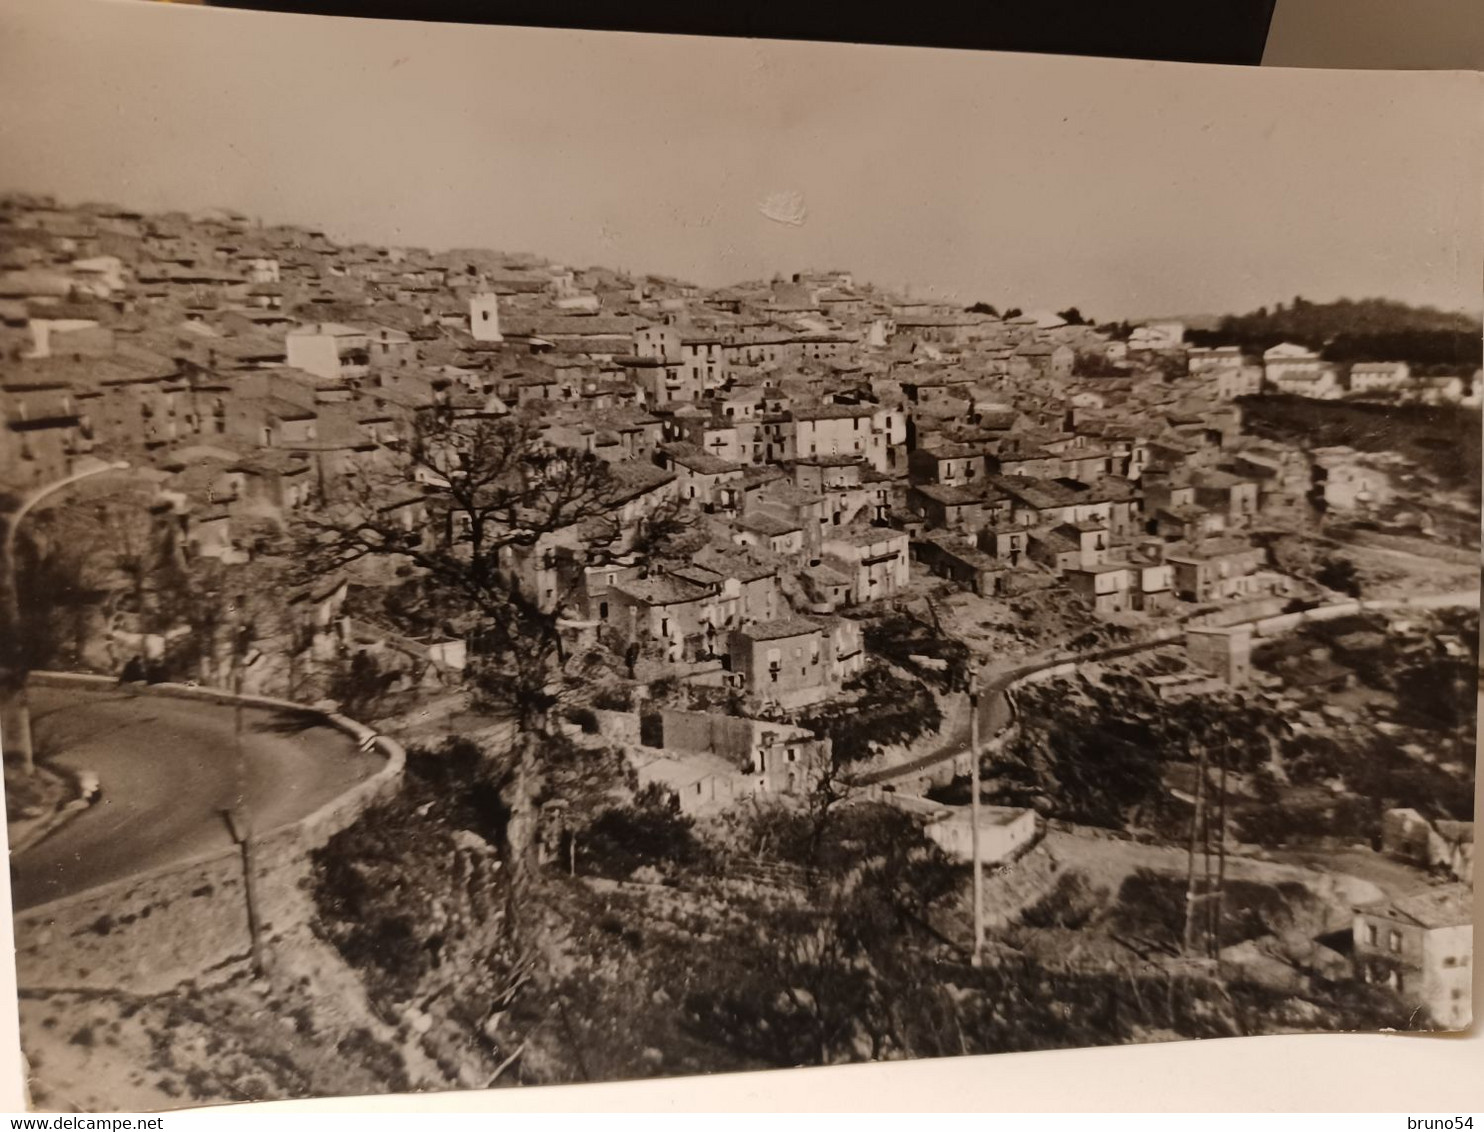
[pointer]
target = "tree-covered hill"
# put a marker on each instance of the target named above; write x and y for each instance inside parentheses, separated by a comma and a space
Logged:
(1353, 330)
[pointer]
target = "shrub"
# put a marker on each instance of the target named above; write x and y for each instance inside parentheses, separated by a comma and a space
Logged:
(1072, 902)
(900, 638)
(650, 832)
(1340, 575)
(381, 1059)
(883, 709)
(614, 697)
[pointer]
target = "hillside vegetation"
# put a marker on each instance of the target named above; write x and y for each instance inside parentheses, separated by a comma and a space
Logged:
(1357, 330)
(1442, 439)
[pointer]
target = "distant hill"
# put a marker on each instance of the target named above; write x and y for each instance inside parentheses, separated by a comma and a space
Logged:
(1198, 322)
(1355, 330)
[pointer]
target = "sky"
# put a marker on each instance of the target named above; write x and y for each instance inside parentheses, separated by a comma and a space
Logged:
(1126, 188)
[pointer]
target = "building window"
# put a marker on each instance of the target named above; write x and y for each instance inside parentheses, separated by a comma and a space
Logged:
(1394, 941)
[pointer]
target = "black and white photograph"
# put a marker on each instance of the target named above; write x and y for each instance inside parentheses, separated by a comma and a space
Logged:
(533, 557)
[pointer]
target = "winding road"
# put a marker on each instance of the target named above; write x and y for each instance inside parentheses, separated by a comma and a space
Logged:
(168, 768)
(995, 713)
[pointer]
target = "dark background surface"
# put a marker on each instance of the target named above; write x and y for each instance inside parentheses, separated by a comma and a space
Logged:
(1198, 31)
(1422, 35)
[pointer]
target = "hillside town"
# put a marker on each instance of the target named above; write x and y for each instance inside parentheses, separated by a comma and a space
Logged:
(799, 542)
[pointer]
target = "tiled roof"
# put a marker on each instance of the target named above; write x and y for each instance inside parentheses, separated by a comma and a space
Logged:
(952, 496)
(1447, 906)
(781, 628)
(764, 523)
(691, 457)
(664, 589)
(831, 412)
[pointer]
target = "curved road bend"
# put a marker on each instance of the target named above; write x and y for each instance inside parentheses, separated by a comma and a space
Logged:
(167, 769)
(994, 709)
(994, 716)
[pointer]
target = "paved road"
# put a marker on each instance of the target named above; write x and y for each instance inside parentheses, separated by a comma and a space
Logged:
(167, 768)
(1457, 599)
(994, 705)
(995, 714)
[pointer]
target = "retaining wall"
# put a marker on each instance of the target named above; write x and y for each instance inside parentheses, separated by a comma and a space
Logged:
(620, 727)
(188, 920)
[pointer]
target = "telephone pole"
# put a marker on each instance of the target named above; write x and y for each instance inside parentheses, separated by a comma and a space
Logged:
(1205, 886)
(1218, 898)
(239, 817)
(1197, 826)
(977, 958)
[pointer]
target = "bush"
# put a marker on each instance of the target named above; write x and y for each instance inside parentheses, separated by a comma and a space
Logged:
(1353, 820)
(363, 1046)
(1340, 575)
(651, 832)
(614, 697)
(1072, 902)
(385, 885)
(882, 709)
(899, 638)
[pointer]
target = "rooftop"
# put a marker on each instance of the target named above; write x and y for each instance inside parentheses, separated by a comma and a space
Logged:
(664, 589)
(765, 523)
(781, 628)
(1447, 906)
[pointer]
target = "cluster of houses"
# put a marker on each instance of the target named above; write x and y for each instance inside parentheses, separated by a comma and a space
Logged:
(828, 437)
(1301, 372)
(829, 440)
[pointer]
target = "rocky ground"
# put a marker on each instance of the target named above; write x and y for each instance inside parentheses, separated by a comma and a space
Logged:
(305, 1030)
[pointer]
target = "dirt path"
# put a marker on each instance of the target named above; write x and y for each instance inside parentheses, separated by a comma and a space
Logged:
(1108, 861)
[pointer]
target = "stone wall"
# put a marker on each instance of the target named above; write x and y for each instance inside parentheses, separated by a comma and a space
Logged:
(618, 727)
(188, 920)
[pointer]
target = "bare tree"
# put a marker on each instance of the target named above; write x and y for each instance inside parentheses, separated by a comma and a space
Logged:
(491, 525)
(58, 591)
(77, 563)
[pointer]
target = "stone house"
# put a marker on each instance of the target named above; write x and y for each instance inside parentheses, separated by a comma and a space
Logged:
(784, 662)
(874, 558)
(1422, 946)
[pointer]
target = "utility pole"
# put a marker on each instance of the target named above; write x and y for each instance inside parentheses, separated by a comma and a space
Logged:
(1204, 890)
(239, 648)
(1197, 823)
(241, 832)
(977, 958)
(1218, 898)
(239, 817)
(1208, 884)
